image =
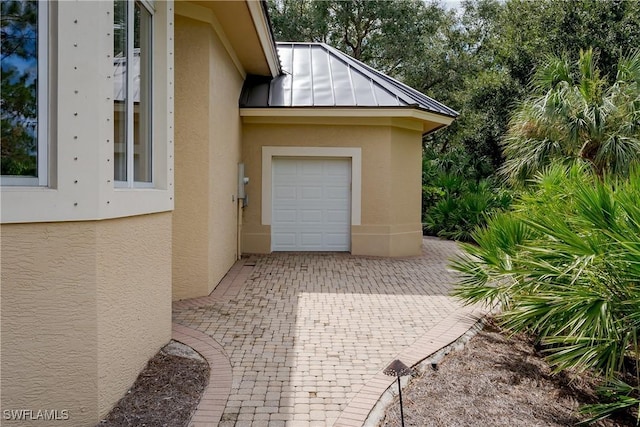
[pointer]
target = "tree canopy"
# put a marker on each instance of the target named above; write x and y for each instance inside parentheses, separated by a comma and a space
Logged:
(477, 60)
(19, 67)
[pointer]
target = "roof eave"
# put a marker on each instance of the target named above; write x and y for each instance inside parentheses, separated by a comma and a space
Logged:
(430, 121)
(259, 14)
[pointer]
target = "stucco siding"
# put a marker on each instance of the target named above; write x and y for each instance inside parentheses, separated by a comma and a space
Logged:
(207, 153)
(384, 228)
(84, 306)
(406, 191)
(225, 154)
(133, 299)
(376, 170)
(192, 186)
(49, 325)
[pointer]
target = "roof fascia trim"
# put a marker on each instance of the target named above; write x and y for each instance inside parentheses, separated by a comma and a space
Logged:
(347, 112)
(202, 14)
(263, 28)
(414, 120)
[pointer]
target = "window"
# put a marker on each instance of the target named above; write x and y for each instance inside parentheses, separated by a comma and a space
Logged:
(132, 46)
(24, 158)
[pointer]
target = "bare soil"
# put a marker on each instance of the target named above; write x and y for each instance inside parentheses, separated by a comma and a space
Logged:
(495, 380)
(165, 393)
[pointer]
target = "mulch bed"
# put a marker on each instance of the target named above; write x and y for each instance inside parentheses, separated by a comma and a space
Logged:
(495, 380)
(165, 393)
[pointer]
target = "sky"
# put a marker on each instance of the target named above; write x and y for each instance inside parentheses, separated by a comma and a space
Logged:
(452, 4)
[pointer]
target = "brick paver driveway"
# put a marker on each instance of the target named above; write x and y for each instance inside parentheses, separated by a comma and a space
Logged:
(304, 333)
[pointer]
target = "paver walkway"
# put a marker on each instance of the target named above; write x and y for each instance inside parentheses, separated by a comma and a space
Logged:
(306, 334)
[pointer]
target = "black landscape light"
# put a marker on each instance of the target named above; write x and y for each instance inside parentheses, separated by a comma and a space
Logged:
(398, 369)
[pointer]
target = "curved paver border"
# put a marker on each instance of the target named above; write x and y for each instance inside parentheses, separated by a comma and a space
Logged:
(378, 412)
(443, 334)
(214, 399)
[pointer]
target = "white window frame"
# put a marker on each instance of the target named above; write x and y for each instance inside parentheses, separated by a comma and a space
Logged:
(130, 182)
(42, 133)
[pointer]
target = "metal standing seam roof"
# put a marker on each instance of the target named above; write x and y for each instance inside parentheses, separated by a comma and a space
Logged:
(317, 75)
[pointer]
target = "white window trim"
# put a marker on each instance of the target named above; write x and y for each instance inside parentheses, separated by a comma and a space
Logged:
(353, 153)
(42, 156)
(81, 188)
(43, 93)
(150, 5)
(130, 182)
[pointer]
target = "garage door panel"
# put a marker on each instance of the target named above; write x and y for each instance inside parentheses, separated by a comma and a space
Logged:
(337, 193)
(311, 193)
(285, 215)
(336, 239)
(285, 192)
(336, 170)
(309, 168)
(311, 207)
(313, 216)
(287, 168)
(310, 240)
(337, 217)
(285, 239)
(335, 179)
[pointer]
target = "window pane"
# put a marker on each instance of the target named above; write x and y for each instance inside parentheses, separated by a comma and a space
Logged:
(19, 64)
(120, 90)
(142, 95)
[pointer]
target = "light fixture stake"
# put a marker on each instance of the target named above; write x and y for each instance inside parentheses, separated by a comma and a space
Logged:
(398, 369)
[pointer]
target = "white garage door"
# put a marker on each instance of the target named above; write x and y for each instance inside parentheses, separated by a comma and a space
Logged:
(311, 204)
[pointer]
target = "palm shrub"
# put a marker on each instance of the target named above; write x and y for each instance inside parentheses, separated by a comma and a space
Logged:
(455, 215)
(456, 197)
(574, 114)
(564, 263)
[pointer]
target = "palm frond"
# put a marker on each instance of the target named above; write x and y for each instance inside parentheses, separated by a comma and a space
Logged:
(570, 117)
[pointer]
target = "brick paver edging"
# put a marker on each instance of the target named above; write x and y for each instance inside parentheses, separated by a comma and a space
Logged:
(229, 286)
(215, 396)
(444, 333)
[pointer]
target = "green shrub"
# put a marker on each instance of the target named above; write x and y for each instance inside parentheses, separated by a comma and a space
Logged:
(564, 263)
(457, 196)
(454, 207)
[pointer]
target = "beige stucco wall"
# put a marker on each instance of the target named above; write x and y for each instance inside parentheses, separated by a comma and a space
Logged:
(133, 259)
(391, 183)
(207, 152)
(49, 323)
(84, 306)
(406, 192)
